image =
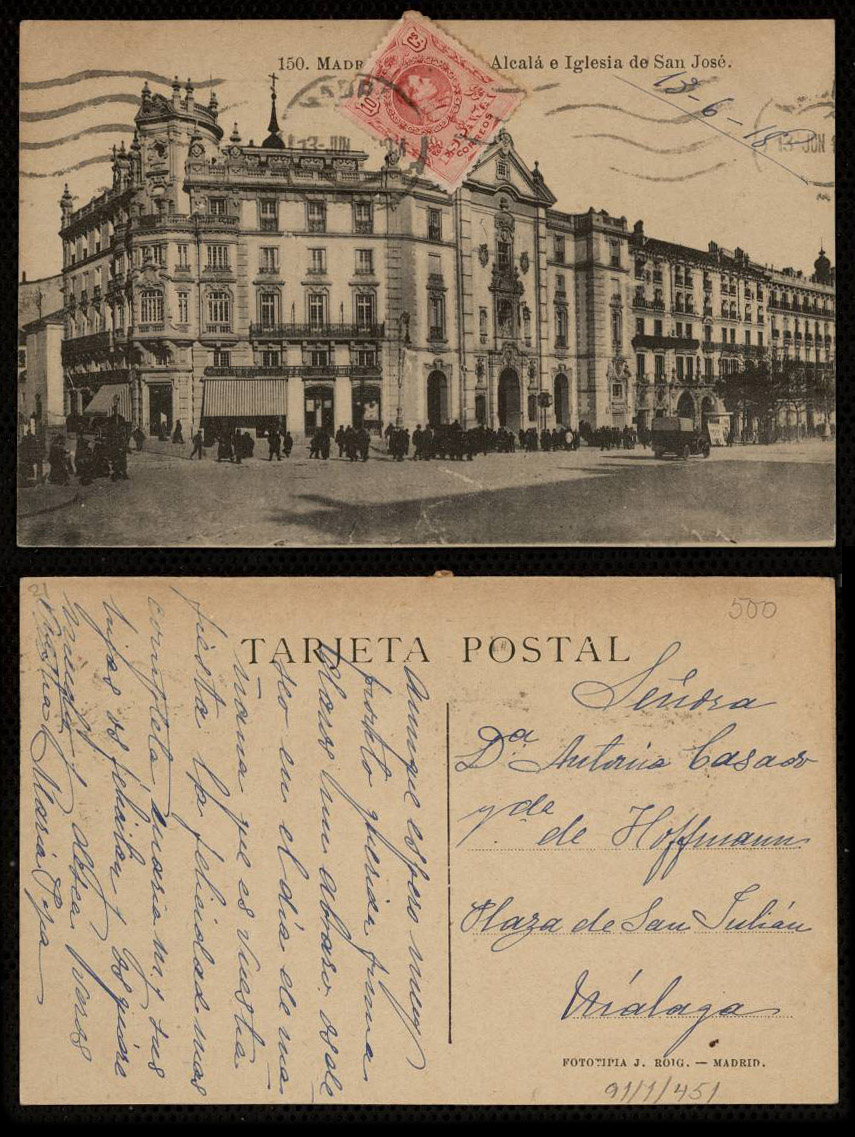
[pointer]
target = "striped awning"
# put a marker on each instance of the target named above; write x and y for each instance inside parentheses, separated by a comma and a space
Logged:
(245, 398)
(103, 402)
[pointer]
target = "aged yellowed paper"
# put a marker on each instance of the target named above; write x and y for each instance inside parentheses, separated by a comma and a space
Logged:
(428, 840)
(382, 282)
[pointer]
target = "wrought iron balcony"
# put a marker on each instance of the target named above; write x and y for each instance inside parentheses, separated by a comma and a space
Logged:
(86, 345)
(298, 371)
(680, 343)
(316, 331)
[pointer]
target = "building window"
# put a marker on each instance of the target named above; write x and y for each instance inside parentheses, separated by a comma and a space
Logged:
(222, 358)
(708, 371)
(657, 327)
(318, 261)
(659, 366)
(434, 224)
(614, 247)
(365, 261)
(617, 390)
(617, 327)
(219, 309)
(183, 307)
(268, 308)
(269, 259)
(639, 326)
(639, 366)
(119, 315)
(436, 316)
(365, 357)
(363, 217)
(365, 309)
(707, 333)
(690, 367)
(317, 302)
(503, 254)
(217, 206)
(151, 306)
(218, 256)
(558, 247)
(184, 256)
(271, 358)
(482, 324)
(503, 169)
(688, 331)
(316, 216)
(560, 326)
(319, 357)
(268, 215)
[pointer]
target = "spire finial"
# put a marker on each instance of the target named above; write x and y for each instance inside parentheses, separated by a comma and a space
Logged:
(273, 127)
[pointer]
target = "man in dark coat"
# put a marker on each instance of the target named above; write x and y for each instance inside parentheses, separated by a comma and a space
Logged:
(274, 444)
(363, 443)
(197, 445)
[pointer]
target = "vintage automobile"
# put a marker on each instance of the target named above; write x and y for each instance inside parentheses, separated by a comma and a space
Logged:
(678, 437)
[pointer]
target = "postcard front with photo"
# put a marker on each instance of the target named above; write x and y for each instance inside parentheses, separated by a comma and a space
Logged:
(420, 283)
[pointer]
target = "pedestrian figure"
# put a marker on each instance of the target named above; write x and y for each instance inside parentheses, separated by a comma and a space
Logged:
(59, 461)
(287, 444)
(417, 442)
(340, 437)
(363, 443)
(138, 437)
(197, 446)
(274, 445)
(350, 444)
(224, 448)
(178, 434)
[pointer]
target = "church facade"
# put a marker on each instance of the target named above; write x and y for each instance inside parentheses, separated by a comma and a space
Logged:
(219, 282)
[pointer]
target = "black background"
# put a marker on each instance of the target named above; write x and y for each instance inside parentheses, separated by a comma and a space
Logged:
(16, 563)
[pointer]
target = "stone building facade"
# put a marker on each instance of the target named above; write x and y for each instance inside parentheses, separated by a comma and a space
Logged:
(219, 283)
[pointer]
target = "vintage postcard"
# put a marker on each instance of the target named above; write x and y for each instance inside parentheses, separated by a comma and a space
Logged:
(452, 841)
(416, 282)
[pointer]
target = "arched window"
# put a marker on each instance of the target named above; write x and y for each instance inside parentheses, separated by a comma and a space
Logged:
(219, 308)
(151, 306)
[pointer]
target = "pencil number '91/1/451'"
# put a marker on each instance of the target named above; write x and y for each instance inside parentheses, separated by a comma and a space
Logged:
(744, 608)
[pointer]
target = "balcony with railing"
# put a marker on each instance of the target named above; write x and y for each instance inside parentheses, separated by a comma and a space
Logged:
(648, 305)
(93, 343)
(679, 343)
(298, 371)
(317, 331)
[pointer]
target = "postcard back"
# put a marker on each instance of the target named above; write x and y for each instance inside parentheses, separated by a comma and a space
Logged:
(427, 840)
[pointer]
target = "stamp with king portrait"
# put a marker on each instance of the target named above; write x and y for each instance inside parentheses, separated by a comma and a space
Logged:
(424, 91)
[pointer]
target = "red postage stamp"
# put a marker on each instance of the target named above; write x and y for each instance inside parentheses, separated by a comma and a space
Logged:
(440, 104)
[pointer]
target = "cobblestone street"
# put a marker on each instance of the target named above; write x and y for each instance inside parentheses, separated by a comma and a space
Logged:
(755, 494)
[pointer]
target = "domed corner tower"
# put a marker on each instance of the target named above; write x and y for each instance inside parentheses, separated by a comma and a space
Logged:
(823, 273)
(166, 129)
